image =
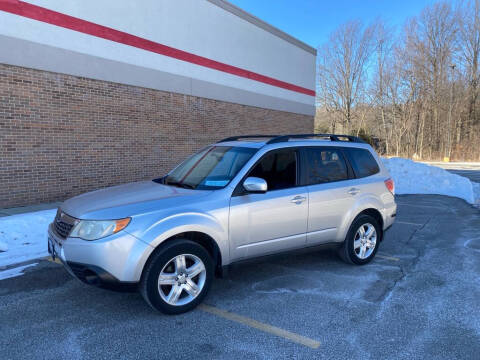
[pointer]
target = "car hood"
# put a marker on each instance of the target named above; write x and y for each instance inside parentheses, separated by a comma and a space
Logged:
(128, 200)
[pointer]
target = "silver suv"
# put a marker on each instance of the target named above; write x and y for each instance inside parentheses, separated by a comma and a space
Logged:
(243, 197)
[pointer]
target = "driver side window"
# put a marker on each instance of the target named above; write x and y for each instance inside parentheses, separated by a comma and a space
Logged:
(278, 169)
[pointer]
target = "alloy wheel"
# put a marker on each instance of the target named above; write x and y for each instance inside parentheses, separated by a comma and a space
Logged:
(182, 279)
(365, 241)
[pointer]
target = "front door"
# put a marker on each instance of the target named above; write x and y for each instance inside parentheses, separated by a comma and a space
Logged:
(275, 220)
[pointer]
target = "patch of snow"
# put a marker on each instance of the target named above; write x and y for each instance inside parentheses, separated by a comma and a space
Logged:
(476, 193)
(18, 271)
(411, 177)
(3, 246)
(24, 236)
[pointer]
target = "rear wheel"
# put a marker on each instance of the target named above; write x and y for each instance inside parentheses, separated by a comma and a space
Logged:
(362, 241)
(178, 277)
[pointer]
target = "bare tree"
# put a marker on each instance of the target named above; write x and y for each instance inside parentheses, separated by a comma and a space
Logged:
(470, 52)
(414, 89)
(342, 64)
(431, 43)
(384, 39)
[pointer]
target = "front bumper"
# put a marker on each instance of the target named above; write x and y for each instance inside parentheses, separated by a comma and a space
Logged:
(118, 258)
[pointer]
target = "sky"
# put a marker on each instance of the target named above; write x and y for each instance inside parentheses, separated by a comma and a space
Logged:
(311, 21)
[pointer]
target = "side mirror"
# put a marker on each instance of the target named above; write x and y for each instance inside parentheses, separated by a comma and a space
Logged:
(255, 185)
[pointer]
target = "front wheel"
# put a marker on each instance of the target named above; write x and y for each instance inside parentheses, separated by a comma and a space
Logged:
(178, 277)
(362, 241)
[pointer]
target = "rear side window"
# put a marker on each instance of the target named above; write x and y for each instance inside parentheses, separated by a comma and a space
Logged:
(363, 162)
(325, 165)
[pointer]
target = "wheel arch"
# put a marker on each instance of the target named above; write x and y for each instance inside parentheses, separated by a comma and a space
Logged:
(368, 206)
(201, 238)
(202, 228)
(376, 215)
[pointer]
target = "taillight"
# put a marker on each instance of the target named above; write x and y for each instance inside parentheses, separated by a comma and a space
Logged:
(390, 185)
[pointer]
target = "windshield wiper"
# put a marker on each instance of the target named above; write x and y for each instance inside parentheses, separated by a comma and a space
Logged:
(180, 184)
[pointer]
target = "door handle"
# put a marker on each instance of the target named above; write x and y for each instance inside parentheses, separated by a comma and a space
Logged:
(353, 191)
(298, 199)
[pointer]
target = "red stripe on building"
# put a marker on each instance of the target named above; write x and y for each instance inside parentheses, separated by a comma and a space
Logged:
(69, 22)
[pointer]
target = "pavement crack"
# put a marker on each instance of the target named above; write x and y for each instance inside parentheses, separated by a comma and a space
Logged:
(389, 290)
(418, 229)
(385, 296)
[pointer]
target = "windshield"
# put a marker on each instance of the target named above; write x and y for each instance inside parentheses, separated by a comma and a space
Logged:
(211, 168)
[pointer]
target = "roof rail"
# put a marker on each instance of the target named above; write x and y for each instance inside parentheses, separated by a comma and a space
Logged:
(332, 137)
(282, 138)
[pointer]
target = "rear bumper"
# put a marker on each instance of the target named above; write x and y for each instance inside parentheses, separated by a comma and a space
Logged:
(389, 215)
(116, 259)
(389, 226)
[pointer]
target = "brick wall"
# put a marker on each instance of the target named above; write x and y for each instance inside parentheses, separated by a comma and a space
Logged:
(62, 135)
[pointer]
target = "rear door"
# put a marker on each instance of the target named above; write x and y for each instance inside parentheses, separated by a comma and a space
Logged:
(331, 190)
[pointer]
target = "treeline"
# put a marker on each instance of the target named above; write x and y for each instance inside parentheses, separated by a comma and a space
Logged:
(412, 91)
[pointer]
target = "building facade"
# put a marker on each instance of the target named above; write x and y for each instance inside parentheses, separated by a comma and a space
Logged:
(97, 93)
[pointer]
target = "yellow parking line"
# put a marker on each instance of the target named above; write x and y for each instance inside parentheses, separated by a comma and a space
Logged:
(408, 223)
(388, 257)
(299, 339)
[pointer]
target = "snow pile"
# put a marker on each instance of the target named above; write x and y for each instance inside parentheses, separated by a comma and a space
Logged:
(411, 177)
(24, 237)
(476, 193)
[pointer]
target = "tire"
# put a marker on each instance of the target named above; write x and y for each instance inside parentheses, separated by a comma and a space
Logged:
(353, 255)
(174, 292)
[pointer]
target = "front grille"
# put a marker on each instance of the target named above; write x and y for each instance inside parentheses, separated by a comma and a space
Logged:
(63, 224)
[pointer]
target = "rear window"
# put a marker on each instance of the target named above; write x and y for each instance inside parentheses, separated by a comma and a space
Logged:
(325, 165)
(363, 162)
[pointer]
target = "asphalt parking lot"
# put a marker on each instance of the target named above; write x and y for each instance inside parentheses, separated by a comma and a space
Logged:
(418, 299)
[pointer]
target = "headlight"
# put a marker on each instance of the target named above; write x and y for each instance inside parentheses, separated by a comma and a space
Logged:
(97, 229)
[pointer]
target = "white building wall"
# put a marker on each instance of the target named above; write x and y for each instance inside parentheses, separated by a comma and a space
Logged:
(199, 27)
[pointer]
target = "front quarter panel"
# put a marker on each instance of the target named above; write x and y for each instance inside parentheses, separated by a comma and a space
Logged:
(213, 225)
